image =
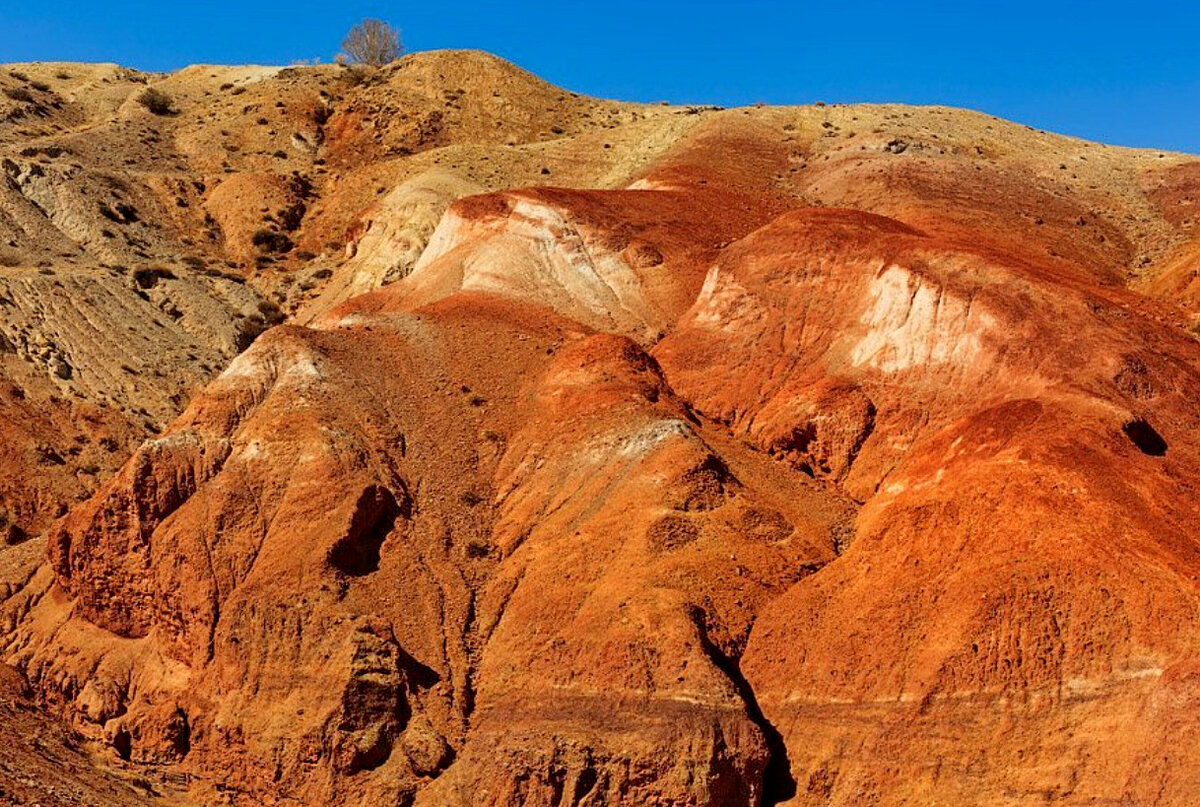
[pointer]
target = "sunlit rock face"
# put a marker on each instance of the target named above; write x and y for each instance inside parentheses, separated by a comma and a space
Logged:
(612, 455)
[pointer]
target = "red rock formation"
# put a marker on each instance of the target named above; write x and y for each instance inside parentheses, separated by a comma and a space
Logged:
(1023, 565)
(817, 467)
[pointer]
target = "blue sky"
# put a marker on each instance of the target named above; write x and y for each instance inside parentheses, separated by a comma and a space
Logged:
(1117, 72)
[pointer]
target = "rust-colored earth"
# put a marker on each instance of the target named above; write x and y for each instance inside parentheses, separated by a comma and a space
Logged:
(434, 436)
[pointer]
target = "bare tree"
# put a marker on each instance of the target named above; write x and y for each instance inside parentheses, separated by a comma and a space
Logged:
(373, 42)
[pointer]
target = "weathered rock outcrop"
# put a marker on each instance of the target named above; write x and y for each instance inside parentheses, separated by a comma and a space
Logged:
(44, 763)
(1026, 546)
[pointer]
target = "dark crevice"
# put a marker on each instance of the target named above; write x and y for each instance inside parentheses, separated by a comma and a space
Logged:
(122, 743)
(420, 676)
(778, 784)
(1144, 436)
(585, 784)
(356, 553)
(467, 692)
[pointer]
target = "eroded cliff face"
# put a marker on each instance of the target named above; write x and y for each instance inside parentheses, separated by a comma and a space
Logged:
(841, 455)
(1020, 568)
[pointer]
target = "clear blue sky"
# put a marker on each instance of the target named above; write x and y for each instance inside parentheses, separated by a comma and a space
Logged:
(1119, 72)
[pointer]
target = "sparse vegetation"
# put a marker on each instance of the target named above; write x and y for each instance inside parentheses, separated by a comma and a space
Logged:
(291, 216)
(373, 42)
(271, 241)
(156, 101)
(19, 94)
(478, 548)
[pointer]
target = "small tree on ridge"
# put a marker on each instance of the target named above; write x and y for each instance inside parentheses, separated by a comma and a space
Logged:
(373, 42)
